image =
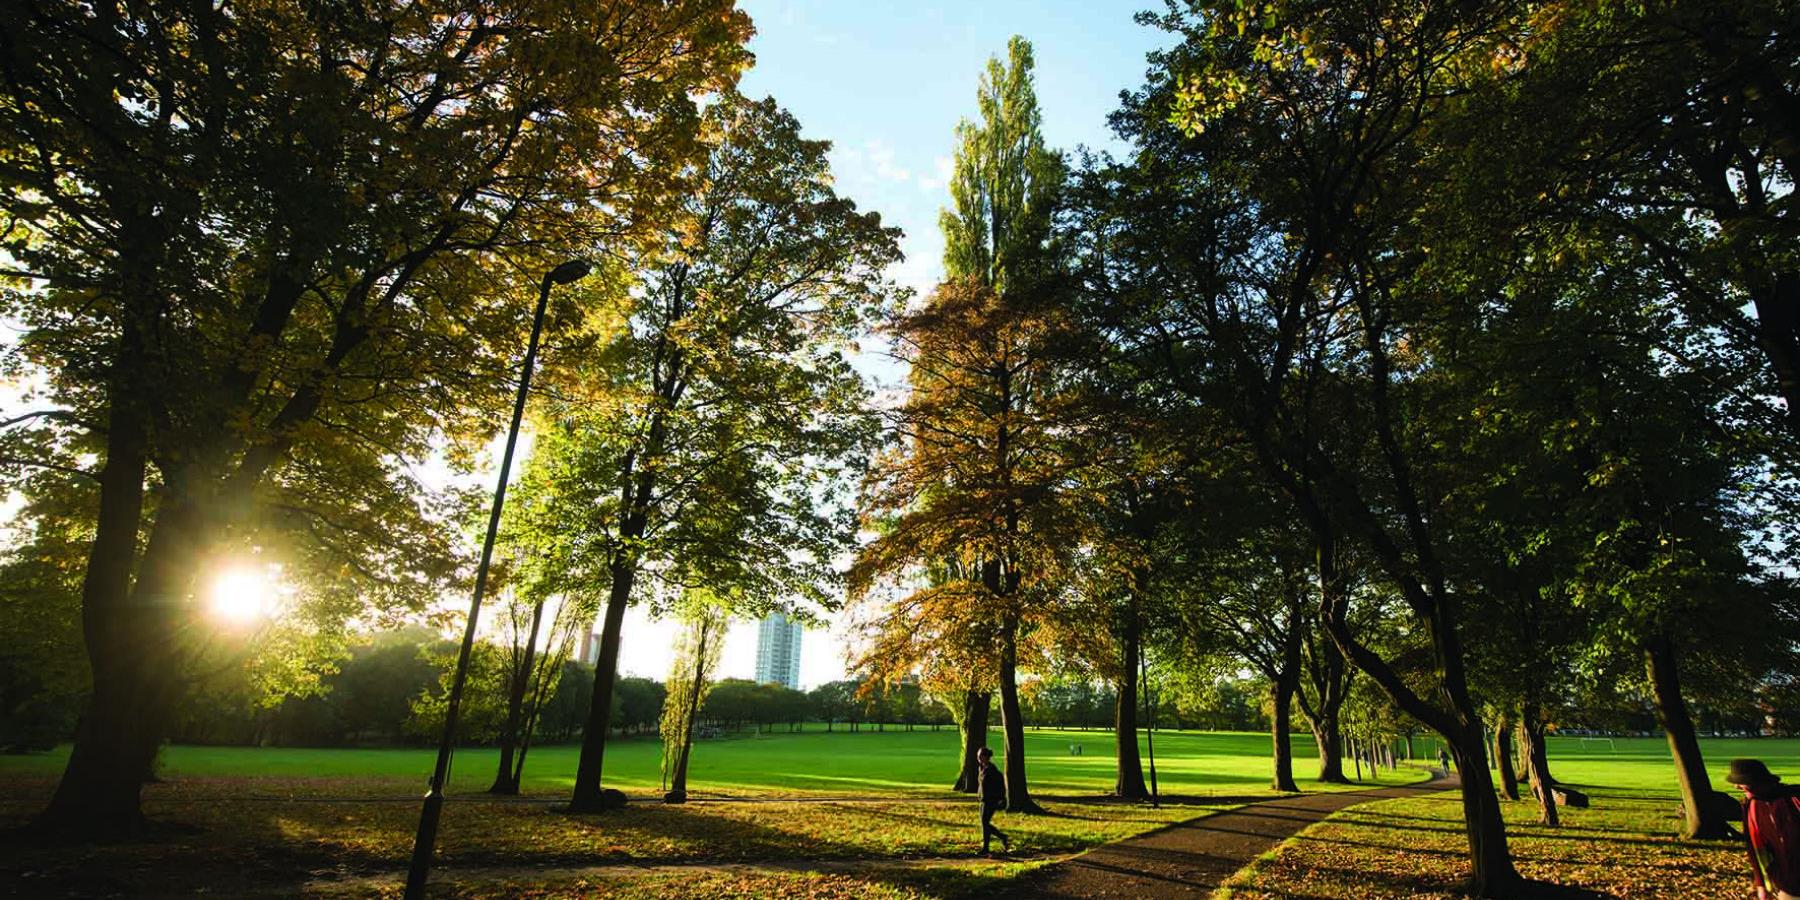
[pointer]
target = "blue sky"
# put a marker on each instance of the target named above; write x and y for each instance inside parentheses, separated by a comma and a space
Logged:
(886, 82)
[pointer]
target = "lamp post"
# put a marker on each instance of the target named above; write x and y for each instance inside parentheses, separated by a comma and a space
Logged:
(425, 841)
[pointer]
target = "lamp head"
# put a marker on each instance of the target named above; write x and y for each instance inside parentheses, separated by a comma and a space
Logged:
(572, 271)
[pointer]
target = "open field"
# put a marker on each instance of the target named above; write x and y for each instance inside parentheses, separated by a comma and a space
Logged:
(820, 814)
(867, 813)
(893, 763)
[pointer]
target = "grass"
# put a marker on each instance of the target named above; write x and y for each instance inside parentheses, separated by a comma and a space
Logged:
(814, 813)
(1625, 845)
(828, 815)
(889, 763)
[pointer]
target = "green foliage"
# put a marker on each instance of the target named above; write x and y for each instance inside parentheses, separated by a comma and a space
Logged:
(705, 432)
(1005, 183)
(690, 680)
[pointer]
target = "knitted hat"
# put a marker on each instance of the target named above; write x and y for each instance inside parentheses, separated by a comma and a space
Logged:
(1750, 772)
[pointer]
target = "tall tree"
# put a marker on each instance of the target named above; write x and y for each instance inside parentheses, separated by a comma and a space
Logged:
(1283, 292)
(266, 257)
(1003, 189)
(705, 435)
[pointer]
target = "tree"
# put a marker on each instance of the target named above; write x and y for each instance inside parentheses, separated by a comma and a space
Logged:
(703, 437)
(531, 673)
(690, 677)
(978, 480)
(1285, 292)
(267, 257)
(1253, 598)
(641, 702)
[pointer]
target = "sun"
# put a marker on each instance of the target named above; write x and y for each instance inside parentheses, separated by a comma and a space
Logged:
(242, 595)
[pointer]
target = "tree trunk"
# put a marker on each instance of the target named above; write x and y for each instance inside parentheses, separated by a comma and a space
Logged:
(1538, 757)
(587, 797)
(1705, 820)
(506, 779)
(678, 779)
(1328, 674)
(1491, 869)
(1285, 684)
(1012, 723)
(1777, 300)
(1538, 778)
(1129, 784)
(974, 725)
(115, 743)
(1493, 874)
(1503, 761)
(1330, 739)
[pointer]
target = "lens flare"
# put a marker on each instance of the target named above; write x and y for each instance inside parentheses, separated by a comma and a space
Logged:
(242, 595)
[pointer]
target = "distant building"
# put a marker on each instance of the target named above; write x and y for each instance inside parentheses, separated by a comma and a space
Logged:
(778, 651)
(590, 650)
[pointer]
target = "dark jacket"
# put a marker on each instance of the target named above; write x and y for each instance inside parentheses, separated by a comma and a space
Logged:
(1772, 831)
(993, 786)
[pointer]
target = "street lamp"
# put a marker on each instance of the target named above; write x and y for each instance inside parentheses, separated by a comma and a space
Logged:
(426, 839)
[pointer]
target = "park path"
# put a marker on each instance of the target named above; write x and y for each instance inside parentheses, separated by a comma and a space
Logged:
(1193, 858)
(1187, 859)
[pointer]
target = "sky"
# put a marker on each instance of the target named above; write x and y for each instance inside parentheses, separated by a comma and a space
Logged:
(886, 82)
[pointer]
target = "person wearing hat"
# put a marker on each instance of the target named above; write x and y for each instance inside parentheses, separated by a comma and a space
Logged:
(1772, 829)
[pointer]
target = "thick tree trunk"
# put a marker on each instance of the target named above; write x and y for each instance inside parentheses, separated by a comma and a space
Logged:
(1493, 874)
(506, 779)
(1503, 758)
(974, 728)
(1330, 740)
(1538, 778)
(1538, 757)
(1012, 722)
(587, 796)
(1328, 673)
(1705, 820)
(99, 792)
(1130, 781)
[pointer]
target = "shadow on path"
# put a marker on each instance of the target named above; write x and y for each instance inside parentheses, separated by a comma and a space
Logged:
(1192, 858)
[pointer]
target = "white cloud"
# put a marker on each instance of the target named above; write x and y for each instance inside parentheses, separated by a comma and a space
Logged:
(881, 158)
(939, 177)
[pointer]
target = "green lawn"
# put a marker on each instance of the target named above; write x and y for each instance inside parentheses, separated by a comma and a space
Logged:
(816, 762)
(340, 822)
(1626, 845)
(1644, 764)
(881, 823)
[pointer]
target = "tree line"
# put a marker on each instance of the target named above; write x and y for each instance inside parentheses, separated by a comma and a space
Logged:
(1430, 361)
(1431, 367)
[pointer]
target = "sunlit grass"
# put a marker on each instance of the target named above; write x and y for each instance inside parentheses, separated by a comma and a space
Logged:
(892, 762)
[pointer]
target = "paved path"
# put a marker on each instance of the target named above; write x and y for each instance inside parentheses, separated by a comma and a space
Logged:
(1193, 858)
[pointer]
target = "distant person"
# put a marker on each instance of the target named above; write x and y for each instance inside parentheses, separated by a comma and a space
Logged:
(993, 799)
(1444, 761)
(1771, 829)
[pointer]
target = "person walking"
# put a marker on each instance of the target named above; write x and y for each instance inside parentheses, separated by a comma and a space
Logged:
(1771, 829)
(991, 785)
(1444, 761)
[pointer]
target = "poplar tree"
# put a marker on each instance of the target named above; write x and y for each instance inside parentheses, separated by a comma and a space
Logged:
(980, 476)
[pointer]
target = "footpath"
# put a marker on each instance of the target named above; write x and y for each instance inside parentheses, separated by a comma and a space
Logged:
(1193, 858)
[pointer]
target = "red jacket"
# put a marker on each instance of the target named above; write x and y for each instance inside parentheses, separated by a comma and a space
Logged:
(1772, 830)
